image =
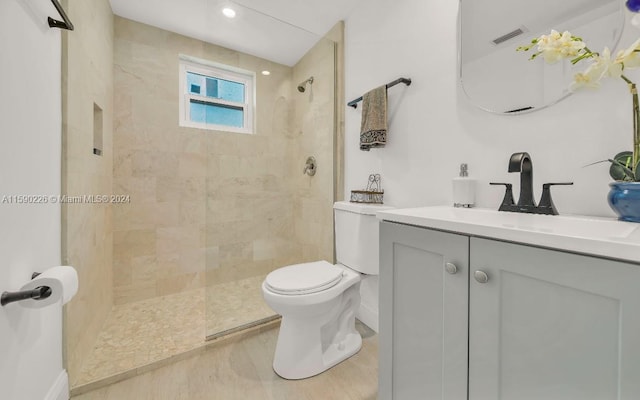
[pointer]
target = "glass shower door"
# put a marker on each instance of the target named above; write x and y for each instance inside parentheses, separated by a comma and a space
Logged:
(262, 212)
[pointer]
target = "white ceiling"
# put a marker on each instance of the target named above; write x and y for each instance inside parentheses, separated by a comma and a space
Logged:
(277, 30)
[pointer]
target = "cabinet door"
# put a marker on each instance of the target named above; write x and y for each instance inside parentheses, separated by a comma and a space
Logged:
(552, 325)
(423, 314)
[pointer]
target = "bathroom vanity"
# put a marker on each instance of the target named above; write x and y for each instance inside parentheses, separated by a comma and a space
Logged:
(479, 304)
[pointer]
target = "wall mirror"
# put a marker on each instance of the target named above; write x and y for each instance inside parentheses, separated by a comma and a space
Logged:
(498, 79)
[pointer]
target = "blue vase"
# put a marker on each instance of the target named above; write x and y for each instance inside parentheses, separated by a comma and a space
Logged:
(624, 199)
(633, 5)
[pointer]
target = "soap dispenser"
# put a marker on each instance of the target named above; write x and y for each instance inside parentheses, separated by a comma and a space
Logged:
(464, 189)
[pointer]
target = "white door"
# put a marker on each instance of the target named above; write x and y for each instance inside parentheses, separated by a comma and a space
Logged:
(30, 152)
(552, 325)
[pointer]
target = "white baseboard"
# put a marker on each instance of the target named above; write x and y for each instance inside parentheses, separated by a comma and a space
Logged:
(368, 316)
(60, 388)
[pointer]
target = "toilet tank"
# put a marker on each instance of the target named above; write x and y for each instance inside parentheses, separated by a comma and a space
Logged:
(357, 235)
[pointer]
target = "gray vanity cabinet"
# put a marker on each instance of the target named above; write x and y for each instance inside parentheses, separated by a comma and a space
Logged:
(525, 323)
(424, 281)
(552, 325)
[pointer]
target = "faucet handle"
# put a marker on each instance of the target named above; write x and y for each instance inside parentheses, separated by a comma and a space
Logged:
(547, 185)
(546, 205)
(507, 201)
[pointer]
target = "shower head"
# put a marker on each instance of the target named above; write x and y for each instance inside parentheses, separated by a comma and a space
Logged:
(303, 86)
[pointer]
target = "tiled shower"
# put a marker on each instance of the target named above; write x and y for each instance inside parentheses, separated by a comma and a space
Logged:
(210, 212)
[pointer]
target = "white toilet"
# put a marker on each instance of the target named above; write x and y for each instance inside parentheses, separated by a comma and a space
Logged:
(318, 301)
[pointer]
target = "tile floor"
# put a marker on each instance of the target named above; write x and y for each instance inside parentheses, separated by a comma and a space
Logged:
(149, 331)
(234, 304)
(241, 369)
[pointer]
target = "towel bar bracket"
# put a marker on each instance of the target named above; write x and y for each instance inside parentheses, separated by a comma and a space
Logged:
(65, 23)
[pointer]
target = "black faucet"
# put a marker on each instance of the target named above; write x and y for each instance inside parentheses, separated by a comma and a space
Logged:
(521, 162)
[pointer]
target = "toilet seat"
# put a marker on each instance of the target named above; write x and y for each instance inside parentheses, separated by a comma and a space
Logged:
(307, 278)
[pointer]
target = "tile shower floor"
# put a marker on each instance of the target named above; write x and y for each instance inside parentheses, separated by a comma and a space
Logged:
(148, 331)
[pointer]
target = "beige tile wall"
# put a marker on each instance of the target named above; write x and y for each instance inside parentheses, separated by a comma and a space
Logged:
(87, 228)
(313, 122)
(210, 207)
(201, 199)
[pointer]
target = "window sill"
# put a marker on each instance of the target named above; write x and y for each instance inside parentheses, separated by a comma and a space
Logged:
(219, 128)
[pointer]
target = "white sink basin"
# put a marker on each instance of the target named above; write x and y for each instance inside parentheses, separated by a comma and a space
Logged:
(589, 235)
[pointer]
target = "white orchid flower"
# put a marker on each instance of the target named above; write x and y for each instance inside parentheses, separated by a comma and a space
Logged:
(630, 57)
(555, 46)
(602, 66)
(612, 69)
(590, 78)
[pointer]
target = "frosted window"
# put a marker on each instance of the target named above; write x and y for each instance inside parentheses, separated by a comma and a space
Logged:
(216, 114)
(216, 97)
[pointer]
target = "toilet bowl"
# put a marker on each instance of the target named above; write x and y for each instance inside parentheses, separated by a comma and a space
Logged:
(318, 324)
(318, 301)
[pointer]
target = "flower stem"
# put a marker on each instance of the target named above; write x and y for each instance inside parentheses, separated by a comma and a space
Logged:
(586, 54)
(636, 132)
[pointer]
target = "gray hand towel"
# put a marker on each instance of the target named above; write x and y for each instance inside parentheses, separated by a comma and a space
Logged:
(373, 130)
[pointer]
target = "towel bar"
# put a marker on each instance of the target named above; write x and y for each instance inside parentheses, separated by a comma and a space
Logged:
(406, 81)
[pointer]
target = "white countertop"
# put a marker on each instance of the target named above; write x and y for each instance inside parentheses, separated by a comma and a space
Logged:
(606, 237)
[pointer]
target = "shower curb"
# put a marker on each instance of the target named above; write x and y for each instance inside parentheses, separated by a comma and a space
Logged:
(210, 342)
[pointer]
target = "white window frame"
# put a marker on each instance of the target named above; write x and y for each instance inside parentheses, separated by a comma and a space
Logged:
(219, 71)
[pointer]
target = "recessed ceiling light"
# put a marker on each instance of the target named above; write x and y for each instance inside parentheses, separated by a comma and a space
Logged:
(265, 72)
(229, 12)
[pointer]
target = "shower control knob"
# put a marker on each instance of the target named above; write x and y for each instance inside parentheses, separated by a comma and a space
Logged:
(481, 276)
(310, 166)
(451, 268)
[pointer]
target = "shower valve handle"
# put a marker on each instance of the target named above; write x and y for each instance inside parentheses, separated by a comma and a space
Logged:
(310, 166)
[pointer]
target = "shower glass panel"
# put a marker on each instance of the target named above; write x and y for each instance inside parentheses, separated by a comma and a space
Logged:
(262, 212)
(208, 213)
